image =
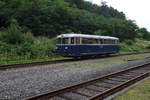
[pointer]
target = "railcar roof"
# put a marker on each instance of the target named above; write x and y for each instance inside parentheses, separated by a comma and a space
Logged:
(86, 36)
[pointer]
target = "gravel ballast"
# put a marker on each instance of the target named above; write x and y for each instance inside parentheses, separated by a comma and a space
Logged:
(22, 83)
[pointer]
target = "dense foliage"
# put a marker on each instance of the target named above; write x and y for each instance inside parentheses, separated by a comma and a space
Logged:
(27, 25)
(52, 17)
(104, 10)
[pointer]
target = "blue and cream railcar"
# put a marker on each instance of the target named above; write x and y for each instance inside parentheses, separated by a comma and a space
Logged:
(78, 45)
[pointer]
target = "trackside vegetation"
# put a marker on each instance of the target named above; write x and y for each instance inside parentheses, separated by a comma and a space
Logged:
(139, 92)
(28, 28)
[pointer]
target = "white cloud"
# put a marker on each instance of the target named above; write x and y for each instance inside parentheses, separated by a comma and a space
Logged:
(137, 10)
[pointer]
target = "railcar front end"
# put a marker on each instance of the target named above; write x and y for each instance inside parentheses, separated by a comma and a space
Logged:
(67, 50)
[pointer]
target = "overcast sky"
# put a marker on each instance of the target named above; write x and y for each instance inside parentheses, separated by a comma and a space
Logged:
(138, 10)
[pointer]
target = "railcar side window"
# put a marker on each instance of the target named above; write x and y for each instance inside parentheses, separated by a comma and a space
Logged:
(95, 41)
(113, 41)
(72, 40)
(84, 41)
(89, 41)
(65, 40)
(104, 41)
(108, 41)
(101, 41)
(77, 40)
(117, 41)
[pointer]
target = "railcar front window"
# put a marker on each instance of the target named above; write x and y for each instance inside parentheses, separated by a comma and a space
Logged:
(59, 41)
(65, 40)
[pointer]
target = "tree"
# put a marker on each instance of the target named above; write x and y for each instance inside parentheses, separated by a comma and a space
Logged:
(143, 32)
(124, 29)
(9, 9)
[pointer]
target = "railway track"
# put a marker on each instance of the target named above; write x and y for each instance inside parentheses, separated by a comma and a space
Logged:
(5, 67)
(100, 88)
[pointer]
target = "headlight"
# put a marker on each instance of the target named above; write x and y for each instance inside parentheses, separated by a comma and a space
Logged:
(66, 47)
(56, 48)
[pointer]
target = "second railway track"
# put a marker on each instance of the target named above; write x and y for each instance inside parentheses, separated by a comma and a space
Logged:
(5, 67)
(100, 88)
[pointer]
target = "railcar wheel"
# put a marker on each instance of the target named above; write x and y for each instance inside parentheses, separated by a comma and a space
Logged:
(108, 54)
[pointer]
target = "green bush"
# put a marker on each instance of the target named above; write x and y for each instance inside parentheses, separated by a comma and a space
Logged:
(129, 42)
(36, 47)
(28, 38)
(43, 46)
(12, 35)
(137, 45)
(4, 47)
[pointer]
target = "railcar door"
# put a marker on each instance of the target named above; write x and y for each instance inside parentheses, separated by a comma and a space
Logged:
(77, 46)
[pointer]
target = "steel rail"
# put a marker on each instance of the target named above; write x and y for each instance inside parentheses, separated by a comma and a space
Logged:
(5, 67)
(109, 92)
(104, 94)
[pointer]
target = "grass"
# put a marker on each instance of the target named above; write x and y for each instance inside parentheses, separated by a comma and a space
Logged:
(138, 45)
(140, 51)
(20, 60)
(106, 63)
(114, 62)
(139, 92)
